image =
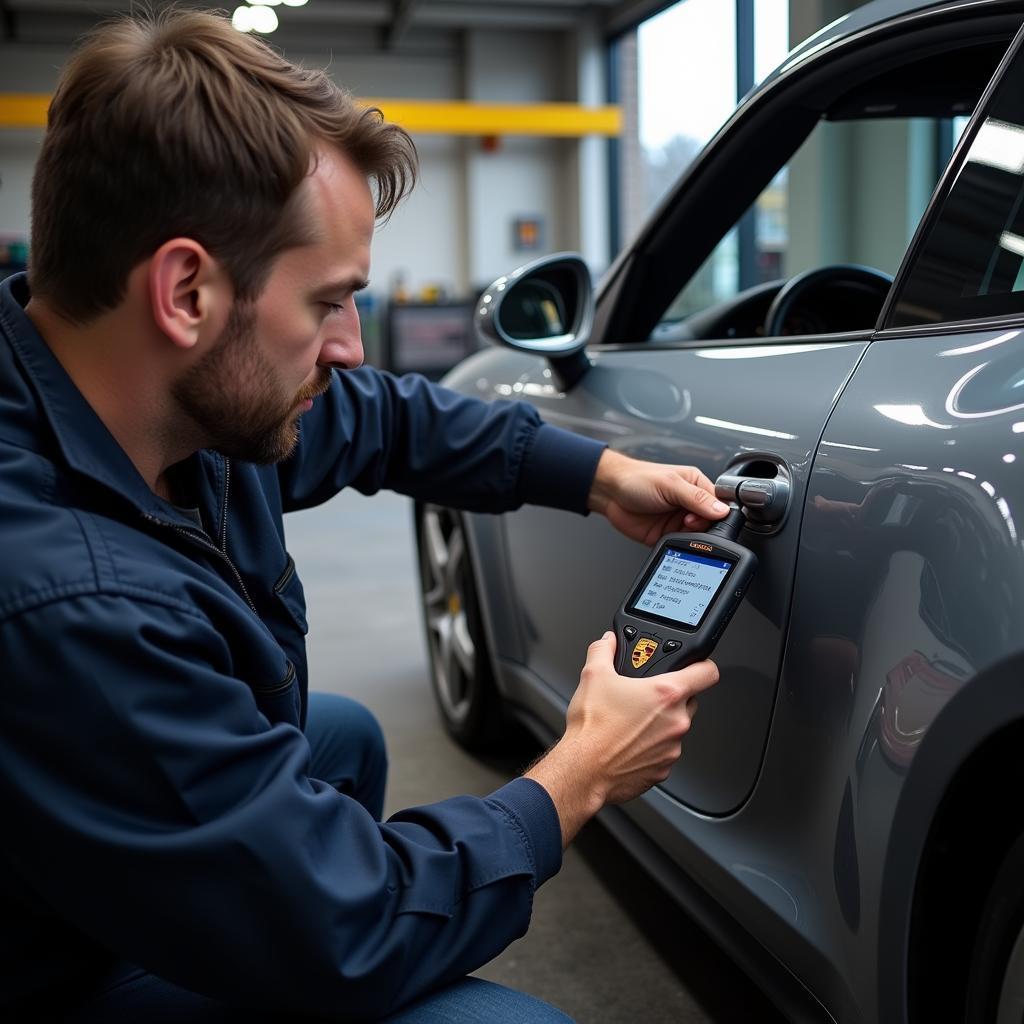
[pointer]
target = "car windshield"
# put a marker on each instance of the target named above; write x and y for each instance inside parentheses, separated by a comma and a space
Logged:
(852, 194)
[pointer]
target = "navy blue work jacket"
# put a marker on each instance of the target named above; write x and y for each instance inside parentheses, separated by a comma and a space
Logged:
(156, 801)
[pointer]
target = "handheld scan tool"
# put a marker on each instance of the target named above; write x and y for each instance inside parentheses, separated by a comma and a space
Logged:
(683, 599)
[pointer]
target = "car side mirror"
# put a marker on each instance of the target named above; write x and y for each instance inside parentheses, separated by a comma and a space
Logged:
(545, 307)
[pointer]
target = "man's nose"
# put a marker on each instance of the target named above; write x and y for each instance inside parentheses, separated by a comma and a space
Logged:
(346, 354)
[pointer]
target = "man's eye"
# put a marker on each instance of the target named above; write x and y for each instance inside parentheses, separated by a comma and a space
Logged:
(335, 307)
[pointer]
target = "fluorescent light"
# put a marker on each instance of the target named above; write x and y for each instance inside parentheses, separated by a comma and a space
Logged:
(999, 144)
(294, 3)
(1012, 243)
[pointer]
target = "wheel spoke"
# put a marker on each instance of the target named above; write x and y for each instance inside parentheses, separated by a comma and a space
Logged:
(456, 557)
(463, 646)
(436, 547)
(455, 680)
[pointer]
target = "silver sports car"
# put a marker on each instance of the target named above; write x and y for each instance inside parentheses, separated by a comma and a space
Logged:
(847, 818)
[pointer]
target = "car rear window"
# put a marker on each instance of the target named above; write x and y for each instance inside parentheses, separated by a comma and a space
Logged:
(971, 263)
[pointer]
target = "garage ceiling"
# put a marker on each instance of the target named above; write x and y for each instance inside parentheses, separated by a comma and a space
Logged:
(406, 26)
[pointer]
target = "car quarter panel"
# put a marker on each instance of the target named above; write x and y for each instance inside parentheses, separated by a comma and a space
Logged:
(910, 583)
(703, 406)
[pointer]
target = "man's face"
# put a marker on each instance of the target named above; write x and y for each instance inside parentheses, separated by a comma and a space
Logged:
(275, 354)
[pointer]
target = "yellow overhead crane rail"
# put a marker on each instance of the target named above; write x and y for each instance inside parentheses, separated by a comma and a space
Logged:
(450, 117)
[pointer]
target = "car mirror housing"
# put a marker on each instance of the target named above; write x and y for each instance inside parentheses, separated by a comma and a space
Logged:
(546, 308)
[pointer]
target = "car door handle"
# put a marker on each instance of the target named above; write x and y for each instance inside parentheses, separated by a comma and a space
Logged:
(765, 500)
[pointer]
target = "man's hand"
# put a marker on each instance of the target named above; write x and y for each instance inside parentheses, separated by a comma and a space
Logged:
(622, 735)
(646, 500)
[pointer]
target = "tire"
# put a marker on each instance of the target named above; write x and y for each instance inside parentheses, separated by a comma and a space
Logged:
(460, 666)
(995, 990)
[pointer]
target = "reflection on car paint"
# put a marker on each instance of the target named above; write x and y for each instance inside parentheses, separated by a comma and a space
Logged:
(916, 690)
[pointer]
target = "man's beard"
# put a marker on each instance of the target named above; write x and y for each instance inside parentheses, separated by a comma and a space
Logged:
(233, 398)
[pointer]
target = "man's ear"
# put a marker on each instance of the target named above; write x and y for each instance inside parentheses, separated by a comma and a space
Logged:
(188, 291)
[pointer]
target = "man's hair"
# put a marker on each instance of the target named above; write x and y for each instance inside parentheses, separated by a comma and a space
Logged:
(177, 125)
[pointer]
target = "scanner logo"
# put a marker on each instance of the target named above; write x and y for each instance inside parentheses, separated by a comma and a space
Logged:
(643, 650)
(700, 547)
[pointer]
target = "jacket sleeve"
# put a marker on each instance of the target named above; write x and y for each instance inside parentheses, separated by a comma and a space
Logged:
(155, 809)
(373, 430)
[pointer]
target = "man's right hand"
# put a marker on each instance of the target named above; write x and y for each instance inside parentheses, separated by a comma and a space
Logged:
(622, 735)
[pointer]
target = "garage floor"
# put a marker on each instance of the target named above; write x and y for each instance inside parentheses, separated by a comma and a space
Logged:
(605, 945)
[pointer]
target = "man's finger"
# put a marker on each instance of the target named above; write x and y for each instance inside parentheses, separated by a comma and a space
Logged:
(695, 678)
(701, 480)
(700, 501)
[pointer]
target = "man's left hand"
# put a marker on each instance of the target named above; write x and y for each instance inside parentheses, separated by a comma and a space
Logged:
(646, 500)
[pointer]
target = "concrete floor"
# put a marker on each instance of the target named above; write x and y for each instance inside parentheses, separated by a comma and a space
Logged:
(605, 944)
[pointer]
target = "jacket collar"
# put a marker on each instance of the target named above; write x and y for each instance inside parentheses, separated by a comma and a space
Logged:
(86, 444)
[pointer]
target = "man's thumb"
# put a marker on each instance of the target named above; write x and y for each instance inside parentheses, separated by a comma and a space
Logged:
(603, 650)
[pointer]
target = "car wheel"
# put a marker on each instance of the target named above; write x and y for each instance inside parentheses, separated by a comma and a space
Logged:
(460, 668)
(995, 993)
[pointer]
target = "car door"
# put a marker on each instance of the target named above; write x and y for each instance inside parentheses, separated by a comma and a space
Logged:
(720, 407)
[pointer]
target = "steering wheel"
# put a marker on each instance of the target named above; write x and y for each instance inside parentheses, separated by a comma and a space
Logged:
(797, 288)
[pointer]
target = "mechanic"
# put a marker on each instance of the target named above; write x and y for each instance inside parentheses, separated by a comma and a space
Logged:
(188, 836)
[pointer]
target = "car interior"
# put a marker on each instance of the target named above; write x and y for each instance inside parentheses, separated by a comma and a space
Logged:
(653, 293)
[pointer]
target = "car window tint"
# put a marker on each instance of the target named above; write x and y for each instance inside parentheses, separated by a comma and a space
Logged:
(971, 263)
(853, 193)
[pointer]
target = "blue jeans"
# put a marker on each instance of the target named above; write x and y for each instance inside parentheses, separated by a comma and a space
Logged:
(348, 752)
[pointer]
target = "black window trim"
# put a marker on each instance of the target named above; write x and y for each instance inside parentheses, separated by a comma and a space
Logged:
(1000, 323)
(838, 338)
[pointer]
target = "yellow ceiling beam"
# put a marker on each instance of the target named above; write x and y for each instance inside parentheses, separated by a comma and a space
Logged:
(565, 120)
(23, 110)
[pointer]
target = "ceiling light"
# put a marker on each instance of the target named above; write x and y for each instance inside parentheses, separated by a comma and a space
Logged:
(258, 18)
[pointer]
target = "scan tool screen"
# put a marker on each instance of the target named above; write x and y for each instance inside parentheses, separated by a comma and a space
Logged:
(682, 587)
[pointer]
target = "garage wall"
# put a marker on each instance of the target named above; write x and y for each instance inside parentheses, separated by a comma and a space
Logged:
(455, 232)
(17, 159)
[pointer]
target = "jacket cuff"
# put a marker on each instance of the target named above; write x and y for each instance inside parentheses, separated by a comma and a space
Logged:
(559, 469)
(528, 802)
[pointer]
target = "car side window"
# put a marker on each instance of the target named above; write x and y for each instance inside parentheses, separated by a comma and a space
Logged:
(851, 196)
(970, 264)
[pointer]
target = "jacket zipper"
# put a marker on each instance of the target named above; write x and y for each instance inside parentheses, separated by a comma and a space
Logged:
(285, 577)
(201, 537)
(280, 687)
(224, 507)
